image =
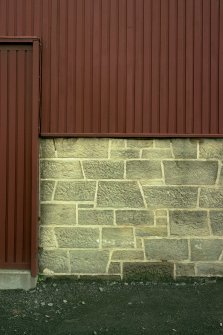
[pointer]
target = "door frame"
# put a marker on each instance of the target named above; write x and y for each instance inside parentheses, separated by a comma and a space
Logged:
(36, 84)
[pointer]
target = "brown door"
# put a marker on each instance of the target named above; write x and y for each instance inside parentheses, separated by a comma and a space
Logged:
(18, 153)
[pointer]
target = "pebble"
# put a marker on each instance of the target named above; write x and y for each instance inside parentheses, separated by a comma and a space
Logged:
(221, 324)
(101, 289)
(50, 304)
(43, 303)
(83, 302)
(65, 301)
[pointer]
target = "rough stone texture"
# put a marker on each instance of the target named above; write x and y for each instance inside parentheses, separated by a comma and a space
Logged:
(118, 143)
(119, 194)
(47, 148)
(191, 223)
(134, 217)
(125, 255)
(170, 197)
(166, 249)
(125, 153)
(211, 198)
(161, 212)
(60, 169)
(85, 261)
(114, 267)
(206, 250)
(82, 147)
(58, 214)
(161, 221)
(148, 271)
(117, 238)
(46, 187)
(216, 220)
(75, 191)
(139, 143)
(77, 237)
(210, 269)
(184, 148)
(151, 231)
(140, 169)
(95, 217)
(47, 238)
(211, 148)
(221, 177)
(164, 143)
(103, 169)
(185, 270)
(54, 260)
(189, 172)
(156, 153)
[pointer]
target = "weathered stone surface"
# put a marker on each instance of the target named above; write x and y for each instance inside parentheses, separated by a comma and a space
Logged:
(206, 250)
(114, 267)
(46, 189)
(134, 217)
(82, 147)
(151, 231)
(156, 153)
(89, 261)
(211, 197)
(119, 194)
(125, 153)
(221, 177)
(47, 238)
(170, 197)
(216, 219)
(75, 191)
(141, 169)
(58, 214)
(184, 148)
(54, 260)
(161, 212)
(60, 169)
(148, 271)
(118, 143)
(161, 221)
(103, 169)
(210, 269)
(190, 172)
(166, 249)
(47, 148)
(87, 205)
(77, 237)
(95, 217)
(139, 244)
(117, 238)
(139, 143)
(150, 182)
(191, 223)
(211, 148)
(162, 143)
(125, 255)
(185, 270)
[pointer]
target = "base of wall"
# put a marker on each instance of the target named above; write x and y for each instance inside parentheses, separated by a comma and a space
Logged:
(16, 279)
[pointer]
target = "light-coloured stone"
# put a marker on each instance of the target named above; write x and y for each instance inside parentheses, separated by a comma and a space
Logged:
(221, 177)
(119, 194)
(216, 219)
(77, 237)
(142, 169)
(156, 153)
(139, 244)
(47, 148)
(184, 148)
(146, 271)
(162, 143)
(161, 212)
(134, 217)
(211, 198)
(166, 249)
(75, 191)
(210, 269)
(47, 238)
(161, 221)
(190, 172)
(46, 189)
(211, 148)
(117, 238)
(114, 267)
(206, 250)
(89, 261)
(188, 223)
(56, 261)
(185, 270)
(95, 217)
(117, 143)
(125, 153)
(103, 169)
(151, 231)
(85, 205)
(139, 143)
(128, 255)
(58, 214)
(170, 197)
(82, 147)
(60, 169)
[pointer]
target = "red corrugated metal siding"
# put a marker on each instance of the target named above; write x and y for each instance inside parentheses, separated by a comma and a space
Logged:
(18, 166)
(126, 67)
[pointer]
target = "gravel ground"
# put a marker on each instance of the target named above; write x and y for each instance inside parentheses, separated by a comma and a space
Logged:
(95, 308)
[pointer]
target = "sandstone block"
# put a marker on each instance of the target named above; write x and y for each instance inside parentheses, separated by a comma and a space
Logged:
(206, 250)
(103, 169)
(216, 219)
(54, 260)
(191, 223)
(184, 148)
(161, 213)
(119, 194)
(162, 143)
(117, 238)
(46, 189)
(148, 271)
(161, 221)
(47, 238)
(114, 267)
(77, 237)
(141, 169)
(151, 231)
(211, 197)
(56, 169)
(134, 217)
(47, 149)
(117, 143)
(127, 255)
(75, 191)
(170, 197)
(125, 153)
(166, 249)
(89, 261)
(210, 269)
(221, 177)
(95, 217)
(139, 143)
(156, 153)
(211, 148)
(58, 214)
(185, 270)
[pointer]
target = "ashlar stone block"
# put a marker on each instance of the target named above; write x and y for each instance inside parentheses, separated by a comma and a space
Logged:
(151, 231)
(47, 238)
(77, 237)
(54, 260)
(75, 191)
(185, 270)
(153, 272)
(127, 255)
(58, 214)
(103, 169)
(89, 261)
(117, 238)
(156, 153)
(60, 169)
(184, 148)
(139, 143)
(95, 217)
(47, 148)
(211, 198)
(125, 153)
(46, 189)
(210, 269)
(134, 217)
(216, 219)
(166, 249)
(143, 169)
(206, 250)
(211, 148)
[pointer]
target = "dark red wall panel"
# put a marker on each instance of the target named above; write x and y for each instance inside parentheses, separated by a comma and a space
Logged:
(126, 67)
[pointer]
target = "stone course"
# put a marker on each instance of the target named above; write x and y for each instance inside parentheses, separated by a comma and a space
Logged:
(145, 209)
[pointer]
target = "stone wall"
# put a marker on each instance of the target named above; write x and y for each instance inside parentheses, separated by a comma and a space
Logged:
(128, 208)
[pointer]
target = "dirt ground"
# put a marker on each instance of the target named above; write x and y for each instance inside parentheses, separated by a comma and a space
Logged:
(96, 308)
